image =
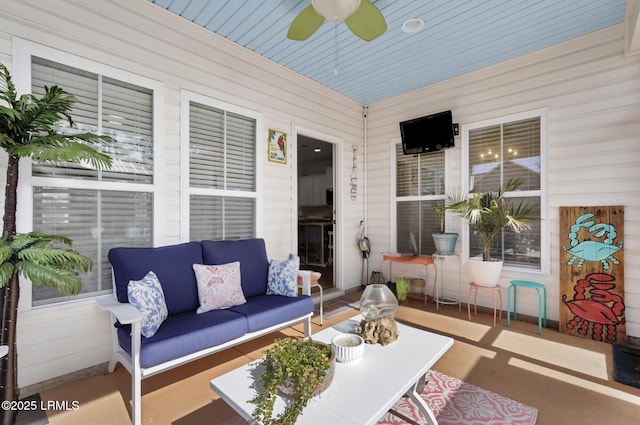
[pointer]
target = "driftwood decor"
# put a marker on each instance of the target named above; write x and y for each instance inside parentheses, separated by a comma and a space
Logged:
(382, 330)
(592, 273)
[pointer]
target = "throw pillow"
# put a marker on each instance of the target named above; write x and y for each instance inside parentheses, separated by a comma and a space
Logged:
(283, 277)
(147, 296)
(219, 286)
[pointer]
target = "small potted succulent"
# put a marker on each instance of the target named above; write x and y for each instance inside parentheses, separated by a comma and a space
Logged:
(298, 368)
(402, 288)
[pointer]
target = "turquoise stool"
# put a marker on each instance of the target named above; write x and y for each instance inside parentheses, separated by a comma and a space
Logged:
(542, 300)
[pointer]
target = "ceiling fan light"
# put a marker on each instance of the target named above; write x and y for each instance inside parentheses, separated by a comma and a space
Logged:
(335, 10)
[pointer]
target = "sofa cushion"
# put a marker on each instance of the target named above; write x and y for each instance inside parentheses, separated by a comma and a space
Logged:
(283, 277)
(172, 264)
(218, 286)
(186, 333)
(252, 255)
(146, 295)
(265, 310)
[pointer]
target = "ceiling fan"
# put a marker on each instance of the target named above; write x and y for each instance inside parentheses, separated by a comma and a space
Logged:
(361, 16)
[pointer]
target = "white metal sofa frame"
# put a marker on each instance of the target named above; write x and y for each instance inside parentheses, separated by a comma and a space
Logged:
(127, 314)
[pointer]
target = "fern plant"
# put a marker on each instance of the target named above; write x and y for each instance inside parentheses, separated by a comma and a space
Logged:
(300, 365)
(27, 131)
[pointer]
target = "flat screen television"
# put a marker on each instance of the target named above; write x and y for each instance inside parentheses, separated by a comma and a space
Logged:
(430, 133)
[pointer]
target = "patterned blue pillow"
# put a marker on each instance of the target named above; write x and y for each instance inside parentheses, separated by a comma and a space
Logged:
(283, 277)
(147, 296)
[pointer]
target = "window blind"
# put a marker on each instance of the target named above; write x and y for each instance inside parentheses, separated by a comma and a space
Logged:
(205, 217)
(521, 152)
(422, 177)
(502, 152)
(407, 182)
(485, 165)
(432, 174)
(81, 84)
(127, 116)
(419, 175)
(103, 106)
(498, 153)
(240, 155)
(97, 220)
(206, 146)
(417, 218)
(222, 148)
(239, 218)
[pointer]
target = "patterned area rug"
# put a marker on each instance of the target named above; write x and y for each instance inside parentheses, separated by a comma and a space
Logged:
(336, 306)
(455, 402)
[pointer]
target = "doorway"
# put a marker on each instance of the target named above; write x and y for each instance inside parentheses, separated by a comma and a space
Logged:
(316, 211)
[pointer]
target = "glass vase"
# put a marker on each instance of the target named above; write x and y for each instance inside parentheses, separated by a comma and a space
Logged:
(377, 301)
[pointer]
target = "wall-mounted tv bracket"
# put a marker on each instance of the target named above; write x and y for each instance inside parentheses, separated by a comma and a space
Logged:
(456, 129)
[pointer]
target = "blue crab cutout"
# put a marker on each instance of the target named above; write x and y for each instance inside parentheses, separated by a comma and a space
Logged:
(588, 250)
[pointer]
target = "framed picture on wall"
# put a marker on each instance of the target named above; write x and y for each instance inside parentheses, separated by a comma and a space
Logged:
(277, 145)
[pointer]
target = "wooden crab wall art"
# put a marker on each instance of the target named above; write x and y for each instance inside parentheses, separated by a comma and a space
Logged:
(592, 273)
(593, 250)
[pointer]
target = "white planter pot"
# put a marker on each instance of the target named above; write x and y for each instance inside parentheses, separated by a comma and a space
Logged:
(485, 273)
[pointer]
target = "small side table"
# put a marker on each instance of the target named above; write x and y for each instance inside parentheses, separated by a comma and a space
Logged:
(308, 279)
(495, 290)
(421, 260)
(542, 301)
(439, 298)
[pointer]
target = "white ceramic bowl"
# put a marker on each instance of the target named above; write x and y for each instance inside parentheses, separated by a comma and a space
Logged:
(348, 347)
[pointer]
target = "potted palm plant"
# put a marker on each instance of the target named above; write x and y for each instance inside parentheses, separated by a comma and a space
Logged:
(445, 242)
(299, 368)
(489, 214)
(27, 131)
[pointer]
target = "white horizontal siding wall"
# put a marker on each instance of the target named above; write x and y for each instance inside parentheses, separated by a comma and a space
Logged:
(138, 37)
(593, 93)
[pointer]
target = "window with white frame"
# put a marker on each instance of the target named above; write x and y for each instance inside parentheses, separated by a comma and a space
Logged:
(499, 150)
(97, 209)
(222, 157)
(420, 184)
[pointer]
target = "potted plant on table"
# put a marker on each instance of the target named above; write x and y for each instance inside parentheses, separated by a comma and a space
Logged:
(27, 126)
(301, 369)
(445, 242)
(489, 214)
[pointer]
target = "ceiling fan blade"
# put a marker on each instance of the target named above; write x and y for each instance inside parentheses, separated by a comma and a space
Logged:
(305, 24)
(367, 22)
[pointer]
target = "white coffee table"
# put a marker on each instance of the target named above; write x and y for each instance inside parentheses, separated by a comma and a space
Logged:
(362, 392)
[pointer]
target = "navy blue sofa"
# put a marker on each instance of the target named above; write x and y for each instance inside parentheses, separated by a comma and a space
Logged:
(185, 336)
